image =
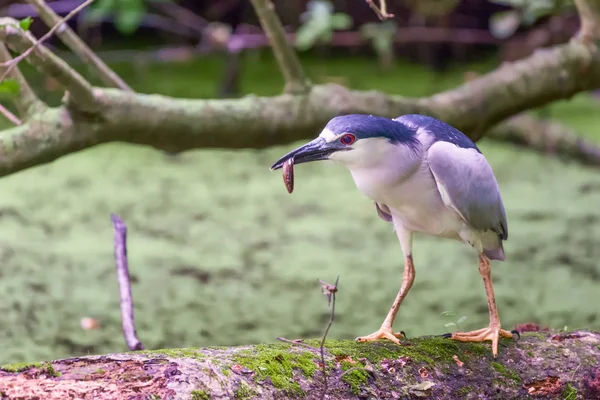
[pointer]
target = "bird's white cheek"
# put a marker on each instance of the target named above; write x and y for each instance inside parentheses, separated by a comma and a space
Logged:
(342, 157)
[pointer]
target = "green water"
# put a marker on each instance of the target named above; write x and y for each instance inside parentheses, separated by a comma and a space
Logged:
(222, 254)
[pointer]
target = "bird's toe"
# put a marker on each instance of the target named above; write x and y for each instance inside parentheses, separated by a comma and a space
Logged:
(382, 333)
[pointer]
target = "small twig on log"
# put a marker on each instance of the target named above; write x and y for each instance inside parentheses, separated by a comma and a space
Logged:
(298, 343)
(120, 243)
(295, 80)
(78, 46)
(26, 101)
(330, 291)
(380, 11)
(9, 116)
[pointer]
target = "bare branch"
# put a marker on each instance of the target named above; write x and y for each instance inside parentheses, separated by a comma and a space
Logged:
(589, 15)
(546, 137)
(27, 102)
(44, 60)
(120, 244)
(295, 80)
(181, 15)
(78, 46)
(9, 116)
(380, 11)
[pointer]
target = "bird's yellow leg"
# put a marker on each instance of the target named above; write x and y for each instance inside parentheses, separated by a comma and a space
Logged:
(493, 331)
(385, 332)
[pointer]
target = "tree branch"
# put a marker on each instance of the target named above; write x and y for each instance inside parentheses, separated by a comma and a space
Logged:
(80, 90)
(589, 15)
(26, 101)
(546, 137)
(295, 80)
(176, 125)
(73, 42)
(540, 364)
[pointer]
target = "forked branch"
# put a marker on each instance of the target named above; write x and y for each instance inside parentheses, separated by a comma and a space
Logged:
(80, 90)
(295, 80)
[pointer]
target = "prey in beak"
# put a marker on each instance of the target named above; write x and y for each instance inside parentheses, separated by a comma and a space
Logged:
(315, 150)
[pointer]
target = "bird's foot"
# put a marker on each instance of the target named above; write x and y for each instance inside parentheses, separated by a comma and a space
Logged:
(491, 333)
(382, 333)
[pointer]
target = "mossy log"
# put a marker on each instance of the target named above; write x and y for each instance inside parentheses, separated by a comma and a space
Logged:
(538, 365)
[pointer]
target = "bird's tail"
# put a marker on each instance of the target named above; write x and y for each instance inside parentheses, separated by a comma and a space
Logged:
(495, 254)
(492, 246)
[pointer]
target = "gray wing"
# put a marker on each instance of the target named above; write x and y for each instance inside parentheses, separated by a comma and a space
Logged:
(467, 183)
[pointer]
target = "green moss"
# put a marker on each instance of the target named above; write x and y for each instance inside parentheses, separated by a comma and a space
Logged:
(244, 391)
(464, 391)
(200, 395)
(429, 350)
(19, 367)
(354, 375)
(177, 353)
(529, 354)
(569, 392)
(537, 335)
(278, 362)
(504, 371)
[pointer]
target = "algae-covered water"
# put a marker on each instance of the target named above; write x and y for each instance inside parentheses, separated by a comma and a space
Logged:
(221, 254)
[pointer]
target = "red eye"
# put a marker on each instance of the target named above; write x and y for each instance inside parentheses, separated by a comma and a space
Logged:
(347, 139)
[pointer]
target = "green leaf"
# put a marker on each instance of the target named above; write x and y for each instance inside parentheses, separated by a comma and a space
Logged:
(341, 21)
(129, 16)
(10, 86)
(25, 23)
(99, 10)
(306, 37)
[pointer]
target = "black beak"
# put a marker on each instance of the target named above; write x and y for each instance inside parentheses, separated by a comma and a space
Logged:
(315, 150)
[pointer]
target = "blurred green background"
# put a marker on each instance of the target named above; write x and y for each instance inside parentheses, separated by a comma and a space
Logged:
(221, 254)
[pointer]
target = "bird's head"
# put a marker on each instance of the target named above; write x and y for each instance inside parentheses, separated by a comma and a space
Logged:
(354, 140)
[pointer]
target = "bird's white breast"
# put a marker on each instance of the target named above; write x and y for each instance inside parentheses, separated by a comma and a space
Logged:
(401, 179)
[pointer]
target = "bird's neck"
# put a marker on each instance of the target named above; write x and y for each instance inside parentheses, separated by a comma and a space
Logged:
(380, 173)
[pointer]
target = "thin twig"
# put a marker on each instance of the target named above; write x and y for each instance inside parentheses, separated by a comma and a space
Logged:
(295, 79)
(16, 60)
(181, 15)
(74, 42)
(120, 243)
(26, 101)
(297, 343)
(329, 291)
(380, 11)
(10, 116)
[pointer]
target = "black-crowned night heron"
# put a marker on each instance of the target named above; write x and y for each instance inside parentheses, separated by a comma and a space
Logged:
(424, 176)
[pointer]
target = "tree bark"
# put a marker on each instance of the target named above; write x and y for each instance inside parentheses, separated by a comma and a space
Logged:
(540, 364)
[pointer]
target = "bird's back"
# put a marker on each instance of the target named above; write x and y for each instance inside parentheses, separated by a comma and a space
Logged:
(439, 130)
